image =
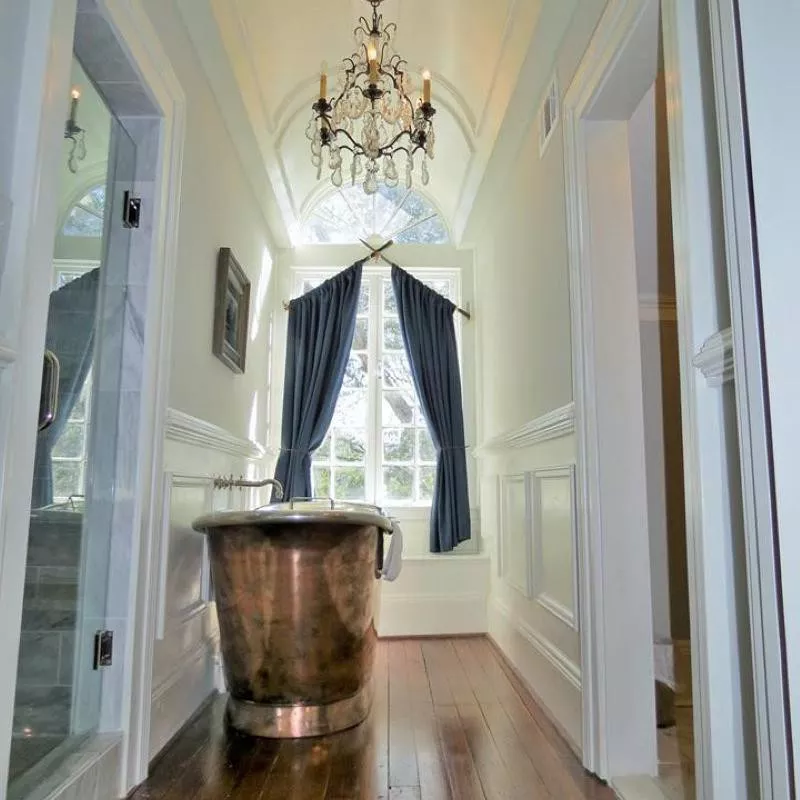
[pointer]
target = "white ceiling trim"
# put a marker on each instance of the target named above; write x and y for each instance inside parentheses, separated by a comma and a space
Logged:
(508, 30)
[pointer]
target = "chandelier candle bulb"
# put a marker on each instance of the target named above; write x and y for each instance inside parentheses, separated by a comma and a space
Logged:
(323, 86)
(426, 87)
(73, 109)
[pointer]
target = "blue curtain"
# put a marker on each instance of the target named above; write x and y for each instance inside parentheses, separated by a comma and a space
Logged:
(321, 327)
(70, 335)
(429, 336)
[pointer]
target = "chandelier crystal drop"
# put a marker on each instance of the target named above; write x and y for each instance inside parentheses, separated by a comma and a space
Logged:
(371, 129)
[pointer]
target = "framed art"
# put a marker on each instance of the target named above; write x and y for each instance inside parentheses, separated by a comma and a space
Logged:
(231, 312)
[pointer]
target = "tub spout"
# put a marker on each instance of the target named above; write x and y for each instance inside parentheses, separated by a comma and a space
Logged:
(230, 483)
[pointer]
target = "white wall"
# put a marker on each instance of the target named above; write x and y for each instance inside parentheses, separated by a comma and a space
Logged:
(218, 210)
(525, 378)
(218, 420)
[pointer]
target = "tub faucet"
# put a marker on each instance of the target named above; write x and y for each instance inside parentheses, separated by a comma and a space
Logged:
(241, 483)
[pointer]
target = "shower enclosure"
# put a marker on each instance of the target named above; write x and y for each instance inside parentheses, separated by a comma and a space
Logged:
(64, 649)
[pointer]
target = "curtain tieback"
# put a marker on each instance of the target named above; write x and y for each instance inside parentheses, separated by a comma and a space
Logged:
(449, 447)
(305, 452)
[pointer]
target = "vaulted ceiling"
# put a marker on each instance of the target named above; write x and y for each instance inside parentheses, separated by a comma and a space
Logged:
(273, 50)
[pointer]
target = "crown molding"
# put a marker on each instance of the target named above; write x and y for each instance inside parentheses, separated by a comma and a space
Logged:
(182, 427)
(715, 358)
(552, 425)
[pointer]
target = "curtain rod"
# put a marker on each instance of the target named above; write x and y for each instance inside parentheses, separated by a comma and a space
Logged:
(375, 255)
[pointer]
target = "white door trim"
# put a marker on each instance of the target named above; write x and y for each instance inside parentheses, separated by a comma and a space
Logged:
(140, 39)
(601, 747)
(747, 361)
(710, 497)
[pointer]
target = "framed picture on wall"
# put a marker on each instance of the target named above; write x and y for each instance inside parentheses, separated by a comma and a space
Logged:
(231, 312)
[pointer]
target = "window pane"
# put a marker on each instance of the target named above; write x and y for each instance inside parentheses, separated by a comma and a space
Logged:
(398, 483)
(324, 452)
(350, 446)
(67, 478)
(355, 375)
(70, 443)
(398, 445)
(81, 223)
(321, 481)
(308, 285)
(350, 483)
(389, 298)
(427, 478)
(351, 410)
(392, 335)
(361, 336)
(79, 409)
(396, 372)
(427, 452)
(363, 298)
(443, 287)
(398, 408)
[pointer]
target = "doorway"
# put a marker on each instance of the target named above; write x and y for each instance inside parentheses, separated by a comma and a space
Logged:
(622, 558)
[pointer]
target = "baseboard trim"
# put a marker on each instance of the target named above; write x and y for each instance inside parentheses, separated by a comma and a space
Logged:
(403, 616)
(509, 667)
(567, 668)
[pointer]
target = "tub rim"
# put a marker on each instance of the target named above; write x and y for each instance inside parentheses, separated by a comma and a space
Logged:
(284, 513)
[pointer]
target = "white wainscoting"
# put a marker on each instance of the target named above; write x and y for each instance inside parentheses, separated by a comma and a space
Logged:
(186, 647)
(529, 496)
(436, 595)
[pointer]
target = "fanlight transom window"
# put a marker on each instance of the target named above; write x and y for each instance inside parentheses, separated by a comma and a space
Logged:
(348, 215)
(85, 218)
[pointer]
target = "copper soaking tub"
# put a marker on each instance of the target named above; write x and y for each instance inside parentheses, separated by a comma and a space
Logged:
(294, 584)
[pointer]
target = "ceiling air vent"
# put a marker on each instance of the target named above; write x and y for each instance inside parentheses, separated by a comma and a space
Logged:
(548, 116)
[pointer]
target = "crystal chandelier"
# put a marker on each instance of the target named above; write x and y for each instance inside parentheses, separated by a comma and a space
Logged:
(371, 127)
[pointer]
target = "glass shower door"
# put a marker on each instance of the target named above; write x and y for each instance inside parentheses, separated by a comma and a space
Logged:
(59, 683)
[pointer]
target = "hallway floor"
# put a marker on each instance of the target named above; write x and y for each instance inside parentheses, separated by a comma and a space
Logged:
(449, 721)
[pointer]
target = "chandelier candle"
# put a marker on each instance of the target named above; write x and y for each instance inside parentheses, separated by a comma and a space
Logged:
(370, 127)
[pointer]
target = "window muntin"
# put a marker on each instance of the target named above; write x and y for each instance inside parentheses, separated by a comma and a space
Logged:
(378, 448)
(348, 215)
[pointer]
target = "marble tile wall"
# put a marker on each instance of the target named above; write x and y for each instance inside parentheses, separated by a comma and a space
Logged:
(46, 660)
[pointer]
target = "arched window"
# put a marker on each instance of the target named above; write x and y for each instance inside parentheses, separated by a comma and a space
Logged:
(85, 218)
(348, 214)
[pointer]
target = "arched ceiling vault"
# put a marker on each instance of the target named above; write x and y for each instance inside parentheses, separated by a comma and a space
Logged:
(271, 51)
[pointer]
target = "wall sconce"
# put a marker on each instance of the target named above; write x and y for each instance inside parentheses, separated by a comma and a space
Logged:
(75, 133)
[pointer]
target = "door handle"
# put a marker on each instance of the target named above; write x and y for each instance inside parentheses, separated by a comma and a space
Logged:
(48, 401)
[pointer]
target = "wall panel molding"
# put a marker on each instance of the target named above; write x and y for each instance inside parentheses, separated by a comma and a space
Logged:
(516, 533)
(562, 663)
(564, 609)
(182, 427)
(552, 425)
(715, 358)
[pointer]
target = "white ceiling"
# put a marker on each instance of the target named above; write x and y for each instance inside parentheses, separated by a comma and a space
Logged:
(274, 49)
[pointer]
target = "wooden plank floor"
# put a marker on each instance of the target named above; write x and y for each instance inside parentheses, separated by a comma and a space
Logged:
(450, 722)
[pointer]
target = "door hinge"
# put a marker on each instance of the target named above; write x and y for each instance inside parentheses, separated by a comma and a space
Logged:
(103, 649)
(131, 210)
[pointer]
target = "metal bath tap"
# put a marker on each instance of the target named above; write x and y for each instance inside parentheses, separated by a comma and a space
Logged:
(240, 483)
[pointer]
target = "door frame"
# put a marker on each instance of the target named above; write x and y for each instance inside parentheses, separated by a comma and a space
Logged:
(767, 608)
(38, 148)
(712, 493)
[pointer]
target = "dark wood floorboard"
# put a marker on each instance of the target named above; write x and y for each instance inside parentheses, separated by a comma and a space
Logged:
(450, 721)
